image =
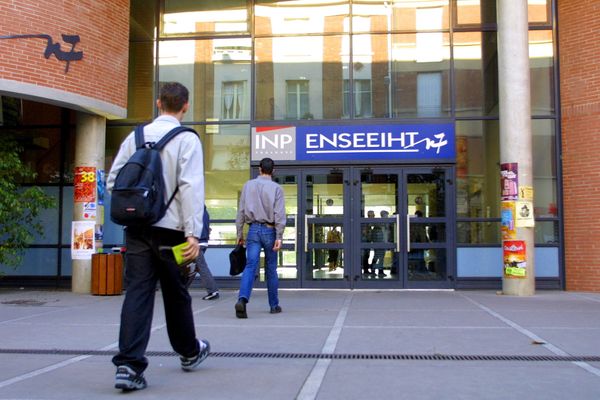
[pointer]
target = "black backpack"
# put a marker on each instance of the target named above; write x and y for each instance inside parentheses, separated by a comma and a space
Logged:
(138, 194)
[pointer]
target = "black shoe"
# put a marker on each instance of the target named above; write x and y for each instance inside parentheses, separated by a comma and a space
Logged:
(211, 296)
(127, 379)
(191, 363)
(240, 309)
(275, 310)
(381, 273)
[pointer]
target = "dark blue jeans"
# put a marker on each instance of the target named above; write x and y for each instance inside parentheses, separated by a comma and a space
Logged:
(144, 267)
(260, 237)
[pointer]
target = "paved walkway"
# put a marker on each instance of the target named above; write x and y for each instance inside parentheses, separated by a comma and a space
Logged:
(327, 344)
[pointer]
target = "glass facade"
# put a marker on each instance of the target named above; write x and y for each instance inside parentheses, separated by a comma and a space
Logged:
(260, 62)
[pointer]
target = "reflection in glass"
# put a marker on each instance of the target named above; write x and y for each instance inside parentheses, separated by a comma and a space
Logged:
(286, 265)
(284, 17)
(426, 264)
(546, 232)
(544, 168)
(216, 72)
(299, 77)
(475, 12)
(400, 15)
(209, 17)
(409, 73)
(426, 194)
(421, 232)
(325, 194)
(318, 270)
(378, 194)
(479, 232)
(226, 162)
(141, 98)
(541, 64)
(477, 173)
(476, 73)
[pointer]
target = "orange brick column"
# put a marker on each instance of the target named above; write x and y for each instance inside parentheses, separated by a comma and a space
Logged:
(579, 50)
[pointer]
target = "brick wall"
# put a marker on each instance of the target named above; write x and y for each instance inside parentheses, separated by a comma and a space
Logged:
(579, 50)
(103, 28)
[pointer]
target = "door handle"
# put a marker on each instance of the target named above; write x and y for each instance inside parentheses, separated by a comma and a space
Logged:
(297, 233)
(408, 217)
(397, 233)
(306, 217)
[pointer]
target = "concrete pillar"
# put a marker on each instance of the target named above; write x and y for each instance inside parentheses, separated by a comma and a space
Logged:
(89, 152)
(515, 122)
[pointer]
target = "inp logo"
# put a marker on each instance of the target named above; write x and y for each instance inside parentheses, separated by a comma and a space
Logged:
(276, 142)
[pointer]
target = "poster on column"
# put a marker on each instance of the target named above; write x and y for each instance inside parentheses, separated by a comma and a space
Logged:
(515, 259)
(101, 185)
(84, 184)
(509, 181)
(89, 210)
(83, 244)
(507, 223)
(524, 214)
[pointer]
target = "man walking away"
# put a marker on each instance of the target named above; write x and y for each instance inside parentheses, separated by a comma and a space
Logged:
(262, 206)
(182, 164)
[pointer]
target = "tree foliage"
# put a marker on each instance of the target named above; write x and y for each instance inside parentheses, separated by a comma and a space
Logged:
(20, 206)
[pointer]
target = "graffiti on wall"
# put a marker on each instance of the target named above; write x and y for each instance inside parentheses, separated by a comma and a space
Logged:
(55, 48)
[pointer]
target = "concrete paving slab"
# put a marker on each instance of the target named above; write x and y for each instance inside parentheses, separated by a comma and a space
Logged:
(327, 344)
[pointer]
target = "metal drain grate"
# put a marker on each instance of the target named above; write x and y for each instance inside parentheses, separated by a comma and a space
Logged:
(395, 357)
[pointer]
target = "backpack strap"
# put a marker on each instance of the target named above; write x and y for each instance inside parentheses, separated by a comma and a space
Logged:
(170, 135)
(158, 146)
(139, 136)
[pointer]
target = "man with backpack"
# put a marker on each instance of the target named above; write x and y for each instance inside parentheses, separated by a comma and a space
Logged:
(178, 220)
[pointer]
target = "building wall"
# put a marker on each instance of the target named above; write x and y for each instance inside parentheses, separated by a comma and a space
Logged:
(97, 83)
(579, 46)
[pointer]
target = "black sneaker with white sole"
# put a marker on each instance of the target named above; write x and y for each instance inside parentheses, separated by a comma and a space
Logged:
(211, 296)
(191, 363)
(127, 379)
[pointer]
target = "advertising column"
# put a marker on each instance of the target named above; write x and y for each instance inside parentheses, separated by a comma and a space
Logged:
(516, 180)
(88, 193)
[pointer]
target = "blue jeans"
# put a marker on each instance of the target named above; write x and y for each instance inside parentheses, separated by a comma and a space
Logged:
(260, 237)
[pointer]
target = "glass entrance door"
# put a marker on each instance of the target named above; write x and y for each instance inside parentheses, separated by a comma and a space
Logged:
(325, 205)
(356, 227)
(403, 219)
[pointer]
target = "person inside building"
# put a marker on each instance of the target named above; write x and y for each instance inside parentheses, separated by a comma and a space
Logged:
(366, 236)
(333, 236)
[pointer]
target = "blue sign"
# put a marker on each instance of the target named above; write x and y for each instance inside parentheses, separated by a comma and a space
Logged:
(355, 142)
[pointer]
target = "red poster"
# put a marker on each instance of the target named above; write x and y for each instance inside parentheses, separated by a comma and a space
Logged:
(515, 258)
(84, 183)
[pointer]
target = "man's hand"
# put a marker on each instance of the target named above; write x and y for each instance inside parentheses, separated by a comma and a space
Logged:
(277, 245)
(193, 248)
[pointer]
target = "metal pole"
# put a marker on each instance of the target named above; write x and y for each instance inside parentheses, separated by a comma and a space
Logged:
(515, 147)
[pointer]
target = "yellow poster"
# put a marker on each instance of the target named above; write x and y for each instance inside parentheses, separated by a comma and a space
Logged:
(526, 193)
(524, 214)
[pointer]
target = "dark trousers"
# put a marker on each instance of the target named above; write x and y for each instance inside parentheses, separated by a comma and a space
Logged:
(144, 267)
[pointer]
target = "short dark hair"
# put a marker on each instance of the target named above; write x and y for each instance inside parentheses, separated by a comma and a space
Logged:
(173, 96)
(266, 166)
